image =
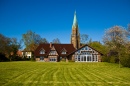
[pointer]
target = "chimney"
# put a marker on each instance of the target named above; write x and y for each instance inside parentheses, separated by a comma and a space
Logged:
(50, 44)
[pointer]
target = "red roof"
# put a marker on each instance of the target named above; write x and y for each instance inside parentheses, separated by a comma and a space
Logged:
(58, 47)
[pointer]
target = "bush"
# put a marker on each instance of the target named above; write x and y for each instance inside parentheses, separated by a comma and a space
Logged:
(16, 58)
(105, 59)
(32, 58)
(125, 60)
(113, 59)
(3, 58)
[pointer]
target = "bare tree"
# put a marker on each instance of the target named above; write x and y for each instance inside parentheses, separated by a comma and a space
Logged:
(83, 38)
(56, 41)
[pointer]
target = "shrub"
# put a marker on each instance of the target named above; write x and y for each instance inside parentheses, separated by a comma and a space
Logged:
(3, 58)
(125, 60)
(105, 59)
(32, 58)
(113, 59)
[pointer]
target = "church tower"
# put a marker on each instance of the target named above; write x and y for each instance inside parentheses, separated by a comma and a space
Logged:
(75, 36)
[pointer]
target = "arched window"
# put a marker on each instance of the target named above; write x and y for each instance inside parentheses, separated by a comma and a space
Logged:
(42, 51)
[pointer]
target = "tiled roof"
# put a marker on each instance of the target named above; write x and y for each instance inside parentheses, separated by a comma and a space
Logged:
(58, 47)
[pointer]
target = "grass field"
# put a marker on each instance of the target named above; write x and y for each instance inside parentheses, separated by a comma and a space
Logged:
(63, 74)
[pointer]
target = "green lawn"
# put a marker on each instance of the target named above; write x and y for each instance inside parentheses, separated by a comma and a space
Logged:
(63, 74)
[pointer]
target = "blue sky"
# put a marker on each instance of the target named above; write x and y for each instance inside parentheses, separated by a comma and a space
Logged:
(53, 18)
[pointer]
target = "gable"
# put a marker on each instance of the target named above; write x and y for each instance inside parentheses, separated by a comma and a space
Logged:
(53, 51)
(63, 51)
(42, 51)
(86, 49)
(45, 47)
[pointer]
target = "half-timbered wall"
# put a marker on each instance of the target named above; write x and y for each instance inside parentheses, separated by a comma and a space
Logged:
(86, 54)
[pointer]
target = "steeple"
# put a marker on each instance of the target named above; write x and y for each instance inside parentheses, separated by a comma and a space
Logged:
(75, 22)
(75, 36)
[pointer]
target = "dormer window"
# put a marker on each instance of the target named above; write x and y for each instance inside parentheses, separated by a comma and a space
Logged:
(42, 51)
(63, 52)
(53, 52)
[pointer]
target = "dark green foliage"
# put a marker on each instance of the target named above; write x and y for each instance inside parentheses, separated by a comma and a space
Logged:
(3, 58)
(105, 58)
(125, 60)
(32, 58)
(113, 59)
(16, 58)
(26, 59)
(98, 46)
(110, 59)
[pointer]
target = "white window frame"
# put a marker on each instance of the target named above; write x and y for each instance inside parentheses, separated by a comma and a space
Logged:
(42, 51)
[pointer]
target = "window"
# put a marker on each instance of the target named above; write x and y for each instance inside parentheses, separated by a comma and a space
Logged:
(53, 59)
(41, 58)
(78, 57)
(79, 51)
(88, 58)
(90, 49)
(63, 52)
(42, 52)
(60, 58)
(86, 48)
(82, 49)
(96, 59)
(93, 59)
(53, 52)
(84, 58)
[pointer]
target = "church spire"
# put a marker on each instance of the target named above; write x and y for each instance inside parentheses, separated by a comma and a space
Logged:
(75, 22)
(75, 36)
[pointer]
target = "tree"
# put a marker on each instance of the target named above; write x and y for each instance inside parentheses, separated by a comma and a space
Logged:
(8, 47)
(83, 38)
(128, 31)
(4, 44)
(14, 47)
(56, 41)
(43, 40)
(98, 46)
(116, 38)
(32, 40)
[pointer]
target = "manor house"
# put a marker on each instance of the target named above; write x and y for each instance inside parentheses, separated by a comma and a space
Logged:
(73, 52)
